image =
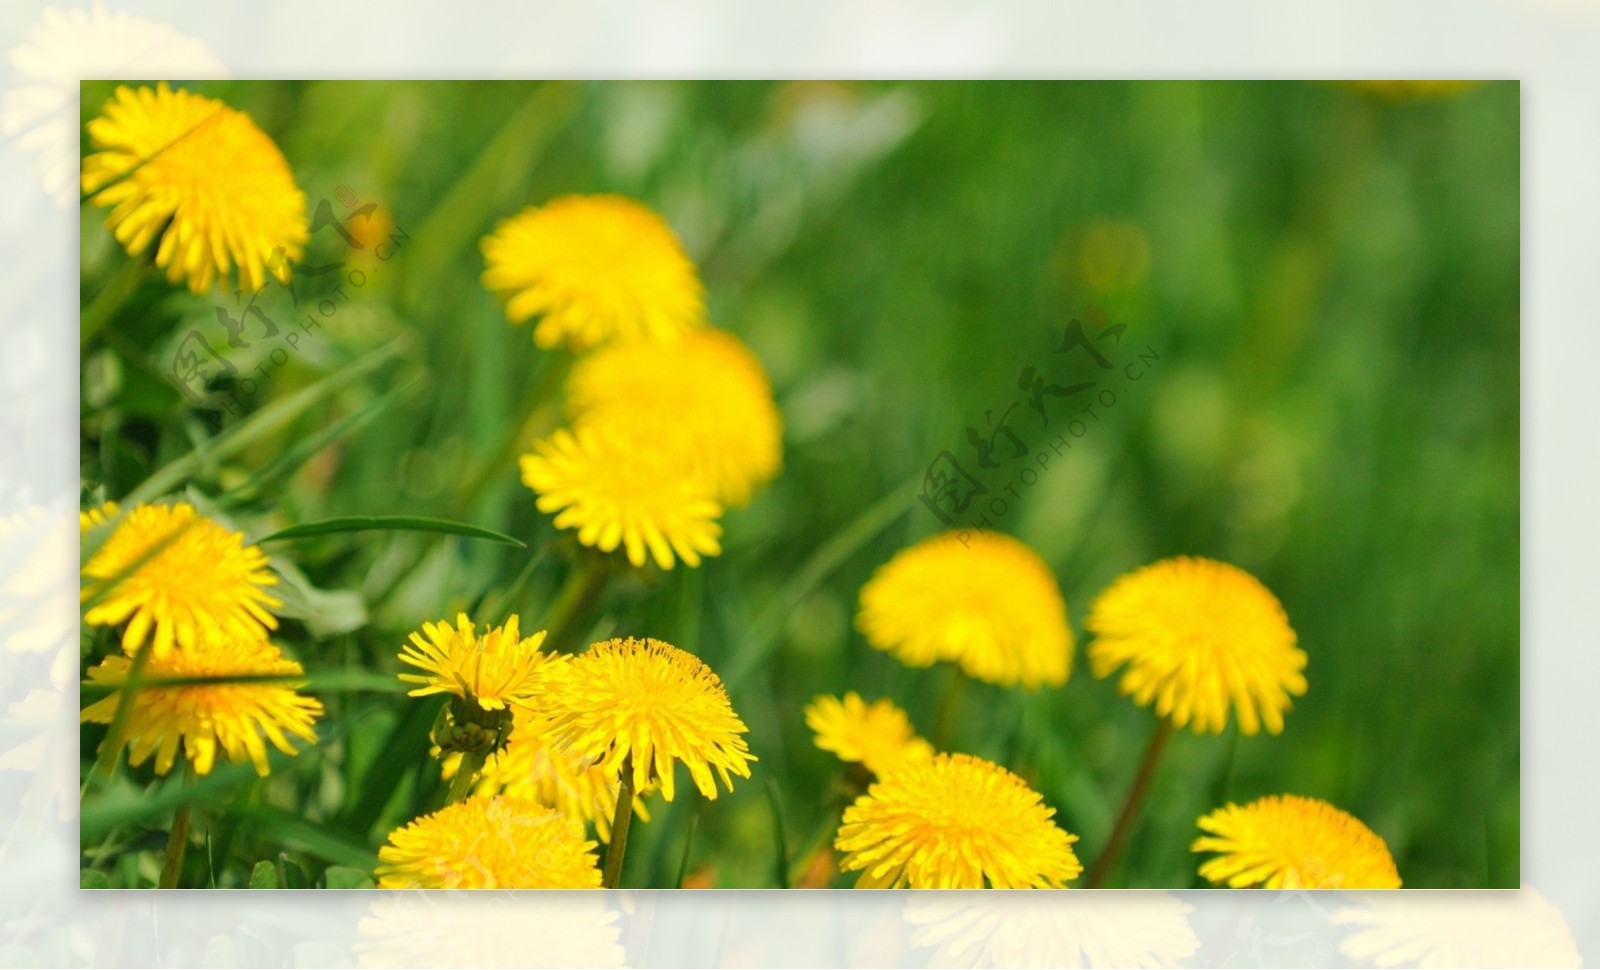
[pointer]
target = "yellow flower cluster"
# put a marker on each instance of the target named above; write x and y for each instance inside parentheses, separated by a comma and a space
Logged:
(192, 596)
(671, 421)
(585, 731)
(935, 821)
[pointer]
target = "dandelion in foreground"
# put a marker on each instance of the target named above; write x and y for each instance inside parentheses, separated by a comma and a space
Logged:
(618, 492)
(983, 601)
(489, 843)
(170, 569)
(531, 766)
(703, 402)
(1291, 842)
(651, 705)
(201, 178)
(593, 268)
(1198, 637)
(954, 822)
(877, 735)
(236, 717)
(494, 670)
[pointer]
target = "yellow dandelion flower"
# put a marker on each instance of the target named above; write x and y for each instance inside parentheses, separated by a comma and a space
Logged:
(496, 669)
(593, 268)
(204, 179)
(408, 930)
(703, 402)
(652, 703)
(954, 822)
(1198, 636)
(200, 580)
(235, 717)
(983, 601)
(1291, 842)
(878, 735)
(617, 492)
(531, 766)
(489, 843)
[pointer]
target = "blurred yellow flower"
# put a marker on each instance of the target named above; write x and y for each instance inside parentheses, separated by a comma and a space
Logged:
(489, 843)
(478, 930)
(703, 402)
(235, 717)
(615, 491)
(652, 703)
(593, 268)
(954, 821)
(1198, 636)
(496, 669)
(531, 766)
(169, 568)
(878, 735)
(1291, 842)
(201, 177)
(981, 600)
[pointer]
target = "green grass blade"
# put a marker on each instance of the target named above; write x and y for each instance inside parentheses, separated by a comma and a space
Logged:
(263, 422)
(292, 831)
(688, 846)
(780, 834)
(390, 523)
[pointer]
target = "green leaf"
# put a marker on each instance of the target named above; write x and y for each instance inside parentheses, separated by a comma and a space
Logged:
(264, 875)
(780, 846)
(91, 879)
(344, 877)
(390, 523)
(325, 612)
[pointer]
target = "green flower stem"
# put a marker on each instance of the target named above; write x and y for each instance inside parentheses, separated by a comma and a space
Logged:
(178, 838)
(944, 718)
(466, 774)
(611, 877)
(1131, 808)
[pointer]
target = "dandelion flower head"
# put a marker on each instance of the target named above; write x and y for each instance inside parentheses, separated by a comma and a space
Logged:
(236, 717)
(704, 402)
(202, 178)
(1198, 637)
(618, 492)
(169, 569)
(489, 843)
(1291, 842)
(878, 735)
(652, 703)
(954, 821)
(981, 600)
(532, 766)
(495, 669)
(593, 268)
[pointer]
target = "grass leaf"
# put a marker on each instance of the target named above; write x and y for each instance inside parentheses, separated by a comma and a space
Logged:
(390, 523)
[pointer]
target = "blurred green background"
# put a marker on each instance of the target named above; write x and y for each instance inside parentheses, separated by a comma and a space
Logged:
(1329, 277)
